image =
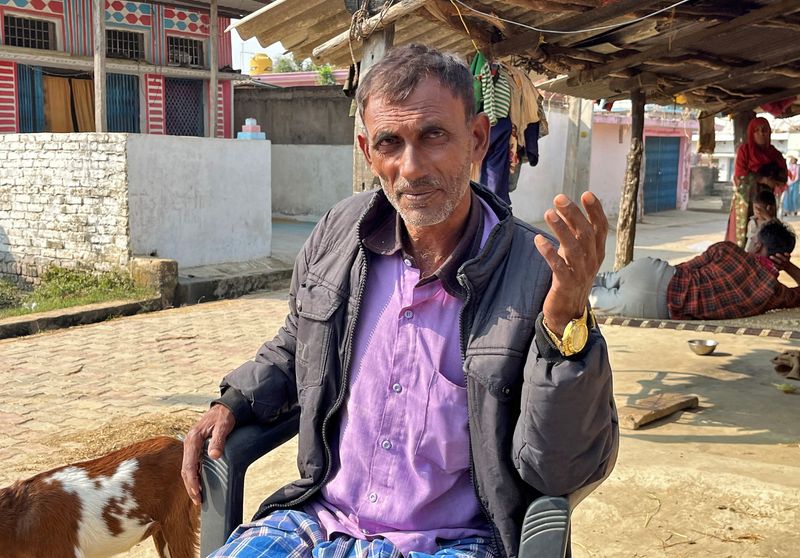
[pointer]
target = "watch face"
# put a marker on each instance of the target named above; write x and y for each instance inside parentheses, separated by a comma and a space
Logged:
(579, 334)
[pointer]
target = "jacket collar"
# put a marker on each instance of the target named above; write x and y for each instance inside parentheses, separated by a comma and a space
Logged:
(476, 270)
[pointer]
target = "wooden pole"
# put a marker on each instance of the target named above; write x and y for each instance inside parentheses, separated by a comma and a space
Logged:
(375, 46)
(214, 61)
(99, 10)
(740, 122)
(398, 10)
(628, 205)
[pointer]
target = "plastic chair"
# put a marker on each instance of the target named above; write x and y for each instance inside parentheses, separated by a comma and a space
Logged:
(545, 529)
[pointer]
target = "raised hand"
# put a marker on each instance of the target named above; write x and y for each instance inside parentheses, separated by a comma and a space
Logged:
(582, 240)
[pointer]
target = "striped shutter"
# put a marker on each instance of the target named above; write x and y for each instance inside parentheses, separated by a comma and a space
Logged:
(154, 101)
(224, 109)
(8, 97)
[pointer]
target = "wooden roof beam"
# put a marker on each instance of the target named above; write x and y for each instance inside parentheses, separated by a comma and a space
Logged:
(395, 12)
(528, 41)
(723, 76)
(444, 12)
(545, 5)
(781, 7)
(278, 12)
(758, 101)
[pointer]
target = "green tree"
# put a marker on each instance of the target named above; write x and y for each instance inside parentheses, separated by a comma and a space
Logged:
(285, 63)
(325, 75)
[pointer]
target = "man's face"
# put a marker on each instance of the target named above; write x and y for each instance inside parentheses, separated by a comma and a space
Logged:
(421, 150)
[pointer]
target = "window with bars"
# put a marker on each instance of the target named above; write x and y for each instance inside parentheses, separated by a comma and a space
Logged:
(29, 33)
(185, 52)
(124, 44)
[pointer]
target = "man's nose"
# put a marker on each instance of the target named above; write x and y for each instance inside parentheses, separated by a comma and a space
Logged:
(413, 164)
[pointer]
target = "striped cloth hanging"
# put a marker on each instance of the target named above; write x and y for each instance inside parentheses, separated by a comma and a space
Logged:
(496, 94)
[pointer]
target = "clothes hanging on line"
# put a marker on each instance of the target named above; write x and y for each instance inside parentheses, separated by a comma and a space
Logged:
(496, 92)
(496, 168)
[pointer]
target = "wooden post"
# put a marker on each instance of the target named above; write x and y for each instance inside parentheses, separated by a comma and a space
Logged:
(628, 205)
(214, 61)
(740, 122)
(375, 46)
(100, 124)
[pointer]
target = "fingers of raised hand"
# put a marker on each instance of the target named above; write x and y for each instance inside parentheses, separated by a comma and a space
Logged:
(599, 221)
(576, 238)
(548, 252)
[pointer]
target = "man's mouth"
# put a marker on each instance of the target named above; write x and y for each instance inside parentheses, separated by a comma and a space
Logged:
(417, 196)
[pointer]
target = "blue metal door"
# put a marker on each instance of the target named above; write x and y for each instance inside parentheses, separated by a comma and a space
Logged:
(122, 98)
(661, 173)
(31, 99)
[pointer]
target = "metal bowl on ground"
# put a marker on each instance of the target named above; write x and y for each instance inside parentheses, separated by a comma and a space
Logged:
(703, 346)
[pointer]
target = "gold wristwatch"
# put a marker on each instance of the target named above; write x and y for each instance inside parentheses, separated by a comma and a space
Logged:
(575, 335)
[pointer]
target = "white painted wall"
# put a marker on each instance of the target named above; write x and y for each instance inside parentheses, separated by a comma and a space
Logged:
(538, 185)
(307, 180)
(199, 201)
(609, 159)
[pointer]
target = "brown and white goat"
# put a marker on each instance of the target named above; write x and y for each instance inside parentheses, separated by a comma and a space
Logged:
(102, 507)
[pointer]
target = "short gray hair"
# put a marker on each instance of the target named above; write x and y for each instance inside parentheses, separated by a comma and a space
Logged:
(397, 74)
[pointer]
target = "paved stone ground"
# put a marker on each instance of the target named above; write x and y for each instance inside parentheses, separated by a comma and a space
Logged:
(141, 367)
(723, 481)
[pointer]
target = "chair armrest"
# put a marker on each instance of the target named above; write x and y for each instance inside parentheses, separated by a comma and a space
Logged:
(546, 528)
(222, 480)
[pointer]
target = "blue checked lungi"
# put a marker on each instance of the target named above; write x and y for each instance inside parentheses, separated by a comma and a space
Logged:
(295, 534)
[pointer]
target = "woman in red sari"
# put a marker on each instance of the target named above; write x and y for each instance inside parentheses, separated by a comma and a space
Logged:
(758, 165)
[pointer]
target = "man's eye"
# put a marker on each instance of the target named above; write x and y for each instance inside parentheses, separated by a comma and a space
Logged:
(435, 134)
(386, 142)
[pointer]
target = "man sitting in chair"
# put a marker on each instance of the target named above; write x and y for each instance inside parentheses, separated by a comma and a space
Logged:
(723, 282)
(439, 349)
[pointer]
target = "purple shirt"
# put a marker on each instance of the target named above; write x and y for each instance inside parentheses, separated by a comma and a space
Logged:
(401, 465)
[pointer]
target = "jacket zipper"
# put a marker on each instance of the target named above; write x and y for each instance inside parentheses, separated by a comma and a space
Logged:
(496, 540)
(342, 389)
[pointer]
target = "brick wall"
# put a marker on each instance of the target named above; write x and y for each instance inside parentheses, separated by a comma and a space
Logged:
(63, 201)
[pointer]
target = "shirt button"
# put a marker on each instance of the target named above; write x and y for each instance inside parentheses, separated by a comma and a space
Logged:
(365, 531)
(397, 388)
(407, 261)
(373, 497)
(386, 444)
(408, 314)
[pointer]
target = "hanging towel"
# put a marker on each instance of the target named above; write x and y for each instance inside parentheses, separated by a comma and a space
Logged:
(475, 67)
(496, 93)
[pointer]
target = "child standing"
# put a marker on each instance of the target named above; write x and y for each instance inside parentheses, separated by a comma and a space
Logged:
(765, 209)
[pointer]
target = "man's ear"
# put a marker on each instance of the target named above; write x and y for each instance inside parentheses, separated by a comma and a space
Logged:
(363, 144)
(480, 136)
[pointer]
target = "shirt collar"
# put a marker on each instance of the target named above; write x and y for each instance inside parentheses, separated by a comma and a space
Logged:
(387, 239)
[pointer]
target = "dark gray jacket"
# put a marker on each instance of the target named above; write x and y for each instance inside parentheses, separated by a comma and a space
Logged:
(539, 423)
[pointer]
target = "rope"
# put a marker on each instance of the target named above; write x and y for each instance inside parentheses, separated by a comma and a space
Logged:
(574, 31)
(358, 25)
(464, 23)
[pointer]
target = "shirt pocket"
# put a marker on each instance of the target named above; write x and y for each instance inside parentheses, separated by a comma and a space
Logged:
(444, 438)
(316, 305)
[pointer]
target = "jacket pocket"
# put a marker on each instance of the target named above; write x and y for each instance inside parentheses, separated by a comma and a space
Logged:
(444, 438)
(499, 374)
(316, 306)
